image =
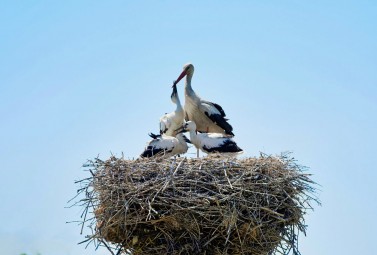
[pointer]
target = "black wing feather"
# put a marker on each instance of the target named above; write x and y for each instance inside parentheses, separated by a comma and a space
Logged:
(151, 151)
(218, 107)
(221, 122)
(227, 146)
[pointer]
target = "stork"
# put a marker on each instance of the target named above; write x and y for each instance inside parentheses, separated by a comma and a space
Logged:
(208, 116)
(211, 142)
(165, 146)
(170, 122)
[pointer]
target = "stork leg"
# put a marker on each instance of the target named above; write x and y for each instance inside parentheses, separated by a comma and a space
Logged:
(197, 150)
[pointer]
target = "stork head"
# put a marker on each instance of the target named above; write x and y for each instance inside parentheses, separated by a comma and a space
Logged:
(174, 94)
(188, 70)
(187, 126)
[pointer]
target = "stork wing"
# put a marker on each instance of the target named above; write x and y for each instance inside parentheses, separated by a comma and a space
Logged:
(215, 113)
(225, 147)
(159, 146)
(165, 123)
(218, 107)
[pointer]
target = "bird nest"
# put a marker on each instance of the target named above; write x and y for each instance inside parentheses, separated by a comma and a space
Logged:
(210, 205)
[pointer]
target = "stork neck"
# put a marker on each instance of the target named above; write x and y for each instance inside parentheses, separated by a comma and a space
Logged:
(194, 137)
(188, 89)
(175, 100)
(180, 138)
(178, 103)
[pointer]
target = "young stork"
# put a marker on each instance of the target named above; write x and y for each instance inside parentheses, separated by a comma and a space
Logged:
(165, 146)
(209, 117)
(170, 122)
(211, 142)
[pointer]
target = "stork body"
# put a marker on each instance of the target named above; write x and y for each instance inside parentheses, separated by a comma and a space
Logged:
(208, 116)
(211, 142)
(170, 122)
(165, 146)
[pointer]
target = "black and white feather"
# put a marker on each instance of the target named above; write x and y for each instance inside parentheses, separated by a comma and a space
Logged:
(166, 146)
(211, 142)
(217, 115)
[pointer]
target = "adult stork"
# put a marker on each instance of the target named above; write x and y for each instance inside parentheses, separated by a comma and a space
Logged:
(211, 142)
(165, 146)
(170, 122)
(208, 116)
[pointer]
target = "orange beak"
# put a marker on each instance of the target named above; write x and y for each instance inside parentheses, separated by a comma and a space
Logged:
(183, 74)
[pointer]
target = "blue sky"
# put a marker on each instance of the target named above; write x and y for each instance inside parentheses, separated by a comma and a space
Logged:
(85, 78)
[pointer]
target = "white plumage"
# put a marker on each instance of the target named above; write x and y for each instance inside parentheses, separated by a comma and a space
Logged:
(166, 146)
(210, 117)
(170, 122)
(211, 142)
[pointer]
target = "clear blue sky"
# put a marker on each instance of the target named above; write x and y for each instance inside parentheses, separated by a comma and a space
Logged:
(82, 78)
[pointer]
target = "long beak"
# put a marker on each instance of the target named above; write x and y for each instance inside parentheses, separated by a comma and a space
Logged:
(183, 74)
(181, 130)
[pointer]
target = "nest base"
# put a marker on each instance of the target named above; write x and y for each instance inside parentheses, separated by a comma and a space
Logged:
(198, 206)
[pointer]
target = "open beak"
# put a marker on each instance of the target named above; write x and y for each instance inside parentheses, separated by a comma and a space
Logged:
(183, 74)
(174, 90)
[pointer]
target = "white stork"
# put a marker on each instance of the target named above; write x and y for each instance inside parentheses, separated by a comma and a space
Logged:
(170, 122)
(165, 146)
(211, 142)
(209, 117)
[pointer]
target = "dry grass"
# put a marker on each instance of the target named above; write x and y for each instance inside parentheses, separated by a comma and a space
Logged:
(207, 206)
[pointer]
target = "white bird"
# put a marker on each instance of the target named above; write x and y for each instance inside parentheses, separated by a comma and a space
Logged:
(170, 122)
(211, 142)
(166, 146)
(209, 117)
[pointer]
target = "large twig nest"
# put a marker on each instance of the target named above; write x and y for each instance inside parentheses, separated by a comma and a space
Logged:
(210, 205)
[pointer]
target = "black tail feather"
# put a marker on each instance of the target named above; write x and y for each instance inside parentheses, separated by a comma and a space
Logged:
(154, 136)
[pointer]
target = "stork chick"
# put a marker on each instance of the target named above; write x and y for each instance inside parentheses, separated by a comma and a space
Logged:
(166, 146)
(211, 142)
(170, 122)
